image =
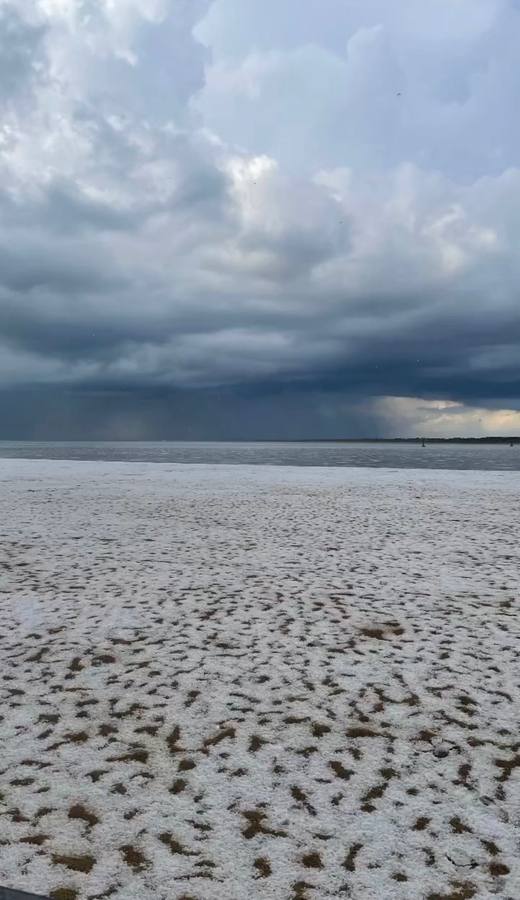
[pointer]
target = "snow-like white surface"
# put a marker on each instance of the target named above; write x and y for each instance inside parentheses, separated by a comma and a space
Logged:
(225, 683)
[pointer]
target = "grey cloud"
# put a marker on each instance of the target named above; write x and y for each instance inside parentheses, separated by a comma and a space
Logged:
(63, 208)
(68, 268)
(21, 54)
(434, 86)
(67, 209)
(250, 213)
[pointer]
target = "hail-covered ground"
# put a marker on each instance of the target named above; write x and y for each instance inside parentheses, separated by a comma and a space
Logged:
(224, 683)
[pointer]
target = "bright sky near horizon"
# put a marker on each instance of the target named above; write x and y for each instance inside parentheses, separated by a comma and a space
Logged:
(233, 218)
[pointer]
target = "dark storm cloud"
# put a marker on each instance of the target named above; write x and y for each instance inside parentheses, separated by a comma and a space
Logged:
(289, 215)
(217, 414)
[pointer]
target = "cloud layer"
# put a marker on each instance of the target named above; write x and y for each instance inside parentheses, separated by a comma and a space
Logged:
(264, 201)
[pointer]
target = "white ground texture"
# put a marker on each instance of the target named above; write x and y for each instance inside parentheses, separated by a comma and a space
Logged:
(223, 683)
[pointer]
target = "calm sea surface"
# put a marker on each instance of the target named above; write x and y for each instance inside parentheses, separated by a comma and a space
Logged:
(395, 456)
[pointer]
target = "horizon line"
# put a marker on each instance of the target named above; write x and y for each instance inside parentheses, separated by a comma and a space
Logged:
(496, 439)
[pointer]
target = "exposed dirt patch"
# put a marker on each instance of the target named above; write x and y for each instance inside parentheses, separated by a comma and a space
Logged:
(80, 812)
(312, 861)
(134, 858)
(350, 859)
(263, 866)
(83, 864)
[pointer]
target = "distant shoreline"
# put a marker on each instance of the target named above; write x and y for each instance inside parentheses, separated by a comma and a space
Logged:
(417, 440)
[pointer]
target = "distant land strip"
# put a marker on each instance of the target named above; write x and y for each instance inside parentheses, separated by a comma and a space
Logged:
(404, 440)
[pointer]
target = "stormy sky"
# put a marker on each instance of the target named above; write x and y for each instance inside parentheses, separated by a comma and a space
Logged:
(243, 219)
